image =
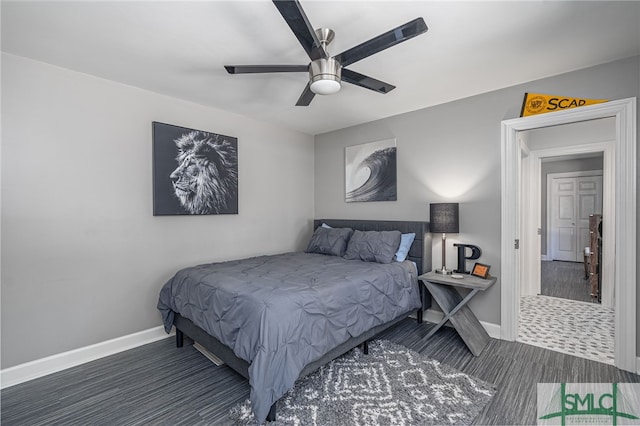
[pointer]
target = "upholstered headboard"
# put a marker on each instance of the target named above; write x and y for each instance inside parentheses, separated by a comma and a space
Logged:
(420, 251)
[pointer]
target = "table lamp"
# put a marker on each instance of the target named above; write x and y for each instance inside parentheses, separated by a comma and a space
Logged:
(443, 219)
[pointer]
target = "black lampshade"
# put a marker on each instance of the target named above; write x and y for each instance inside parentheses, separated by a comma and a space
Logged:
(444, 218)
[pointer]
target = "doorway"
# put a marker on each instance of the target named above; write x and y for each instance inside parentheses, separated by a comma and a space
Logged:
(571, 202)
(517, 227)
(558, 312)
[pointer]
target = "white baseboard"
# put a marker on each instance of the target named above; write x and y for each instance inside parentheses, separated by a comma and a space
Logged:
(638, 365)
(493, 330)
(41, 367)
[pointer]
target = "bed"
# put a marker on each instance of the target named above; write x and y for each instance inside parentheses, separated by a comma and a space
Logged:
(276, 318)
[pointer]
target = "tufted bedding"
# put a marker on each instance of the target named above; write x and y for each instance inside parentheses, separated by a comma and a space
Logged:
(282, 312)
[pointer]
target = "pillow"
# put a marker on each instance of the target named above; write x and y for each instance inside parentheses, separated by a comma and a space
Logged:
(373, 246)
(330, 241)
(324, 225)
(405, 244)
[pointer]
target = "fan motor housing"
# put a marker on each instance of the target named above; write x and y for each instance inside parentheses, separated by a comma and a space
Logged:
(325, 69)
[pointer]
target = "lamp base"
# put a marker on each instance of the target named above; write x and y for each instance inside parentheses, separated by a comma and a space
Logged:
(443, 271)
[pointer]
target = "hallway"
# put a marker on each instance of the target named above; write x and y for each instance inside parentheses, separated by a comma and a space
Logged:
(564, 280)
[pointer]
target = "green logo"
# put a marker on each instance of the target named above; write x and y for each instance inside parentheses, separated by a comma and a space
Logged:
(588, 403)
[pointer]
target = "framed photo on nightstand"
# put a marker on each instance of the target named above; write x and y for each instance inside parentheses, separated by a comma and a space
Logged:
(480, 270)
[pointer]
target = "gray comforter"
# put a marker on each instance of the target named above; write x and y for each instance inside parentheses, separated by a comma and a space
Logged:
(279, 313)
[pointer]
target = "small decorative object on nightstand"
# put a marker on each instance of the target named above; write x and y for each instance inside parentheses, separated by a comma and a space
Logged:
(455, 309)
(444, 218)
(481, 270)
(462, 257)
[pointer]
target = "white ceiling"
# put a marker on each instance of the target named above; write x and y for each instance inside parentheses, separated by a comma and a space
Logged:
(179, 49)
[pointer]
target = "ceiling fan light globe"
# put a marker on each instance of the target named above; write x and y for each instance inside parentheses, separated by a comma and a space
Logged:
(325, 87)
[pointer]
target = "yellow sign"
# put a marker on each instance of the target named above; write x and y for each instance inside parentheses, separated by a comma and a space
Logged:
(536, 103)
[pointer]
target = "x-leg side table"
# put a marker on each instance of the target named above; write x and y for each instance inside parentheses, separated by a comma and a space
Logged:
(455, 309)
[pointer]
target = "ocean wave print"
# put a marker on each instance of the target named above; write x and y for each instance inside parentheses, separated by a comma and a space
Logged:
(381, 183)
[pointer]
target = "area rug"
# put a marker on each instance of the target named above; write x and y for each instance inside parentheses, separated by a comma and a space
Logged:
(392, 385)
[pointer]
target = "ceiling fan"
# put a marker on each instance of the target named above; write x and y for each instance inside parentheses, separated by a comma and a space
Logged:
(326, 72)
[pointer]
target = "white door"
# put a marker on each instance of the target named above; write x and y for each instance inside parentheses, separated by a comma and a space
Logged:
(574, 199)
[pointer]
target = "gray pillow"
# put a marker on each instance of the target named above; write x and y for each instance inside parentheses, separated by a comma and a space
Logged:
(331, 241)
(373, 246)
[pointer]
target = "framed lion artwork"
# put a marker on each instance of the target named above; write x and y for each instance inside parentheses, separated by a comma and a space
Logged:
(194, 172)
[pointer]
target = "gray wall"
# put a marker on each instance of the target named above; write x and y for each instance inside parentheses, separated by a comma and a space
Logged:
(560, 166)
(83, 257)
(451, 152)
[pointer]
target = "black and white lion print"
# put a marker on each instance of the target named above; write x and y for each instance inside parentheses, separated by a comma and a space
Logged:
(206, 179)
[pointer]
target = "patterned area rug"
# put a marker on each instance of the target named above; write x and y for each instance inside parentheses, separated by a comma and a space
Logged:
(390, 385)
(585, 330)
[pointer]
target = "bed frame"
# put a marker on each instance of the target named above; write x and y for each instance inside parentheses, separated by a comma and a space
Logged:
(420, 253)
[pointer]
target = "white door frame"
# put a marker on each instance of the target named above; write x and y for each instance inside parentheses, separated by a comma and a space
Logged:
(530, 272)
(624, 251)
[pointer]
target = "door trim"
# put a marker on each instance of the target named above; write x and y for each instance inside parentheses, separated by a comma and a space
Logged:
(625, 183)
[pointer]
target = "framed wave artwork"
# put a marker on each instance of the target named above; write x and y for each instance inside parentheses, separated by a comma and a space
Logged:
(370, 172)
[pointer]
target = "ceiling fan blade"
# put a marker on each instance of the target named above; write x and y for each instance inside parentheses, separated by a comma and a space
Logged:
(292, 12)
(250, 69)
(366, 81)
(382, 42)
(306, 97)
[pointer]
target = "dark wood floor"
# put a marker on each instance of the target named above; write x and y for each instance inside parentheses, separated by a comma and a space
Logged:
(565, 280)
(160, 384)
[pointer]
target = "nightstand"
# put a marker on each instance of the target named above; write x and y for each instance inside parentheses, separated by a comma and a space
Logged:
(454, 306)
